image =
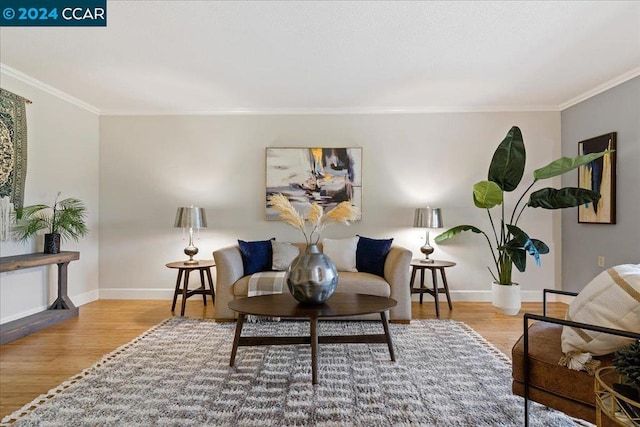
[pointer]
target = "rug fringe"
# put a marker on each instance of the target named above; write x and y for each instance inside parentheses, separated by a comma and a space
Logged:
(486, 344)
(51, 394)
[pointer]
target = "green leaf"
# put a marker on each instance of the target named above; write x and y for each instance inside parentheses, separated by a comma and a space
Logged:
(456, 230)
(565, 164)
(540, 246)
(568, 197)
(518, 257)
(486, 194)
(507, 164)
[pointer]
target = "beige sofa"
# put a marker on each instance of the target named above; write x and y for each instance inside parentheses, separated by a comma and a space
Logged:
(230, 283)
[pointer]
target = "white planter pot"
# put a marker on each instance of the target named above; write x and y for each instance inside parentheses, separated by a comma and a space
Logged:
(506, 298)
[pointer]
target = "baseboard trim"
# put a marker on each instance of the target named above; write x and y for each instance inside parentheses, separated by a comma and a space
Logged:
(478, 296)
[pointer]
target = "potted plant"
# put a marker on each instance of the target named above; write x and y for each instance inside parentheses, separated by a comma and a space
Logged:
(627, 363)
(64, 219)
(509, 244)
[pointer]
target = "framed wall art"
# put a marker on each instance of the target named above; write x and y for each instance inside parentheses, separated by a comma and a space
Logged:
(599, 175)
(327, 176)
(13, 141)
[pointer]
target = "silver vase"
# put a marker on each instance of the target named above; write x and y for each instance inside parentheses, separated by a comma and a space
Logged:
(312, 277)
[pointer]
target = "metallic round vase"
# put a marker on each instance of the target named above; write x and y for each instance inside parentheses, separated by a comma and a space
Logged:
(312, 277)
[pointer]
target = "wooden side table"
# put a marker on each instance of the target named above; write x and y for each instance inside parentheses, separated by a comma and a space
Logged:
(204, 266)
(418, 264)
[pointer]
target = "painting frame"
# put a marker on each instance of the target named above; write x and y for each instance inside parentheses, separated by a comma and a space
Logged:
(326, 175)
(599, 175)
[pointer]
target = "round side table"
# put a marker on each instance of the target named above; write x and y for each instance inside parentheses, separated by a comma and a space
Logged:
(434, 266)
(203, 266)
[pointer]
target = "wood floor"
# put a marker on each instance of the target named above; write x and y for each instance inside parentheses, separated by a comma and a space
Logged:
(41, 361)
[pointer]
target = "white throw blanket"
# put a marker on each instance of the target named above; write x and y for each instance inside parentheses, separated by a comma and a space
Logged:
(265, 283)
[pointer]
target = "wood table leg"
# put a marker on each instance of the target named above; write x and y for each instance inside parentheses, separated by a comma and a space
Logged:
(213, 293)
(413, 278)
(385, 325)
(236, 338)
(204, 287)
(421, 284)
(185, 285)
(314, 350)
(175, 293)
(434, 277)
(446, 288)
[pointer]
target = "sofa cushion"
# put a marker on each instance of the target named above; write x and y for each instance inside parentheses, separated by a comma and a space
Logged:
(361, 283)
(371, 255)
(612, 300)
(342, 252)
(256, 255)
(283, 255)
(545, 372)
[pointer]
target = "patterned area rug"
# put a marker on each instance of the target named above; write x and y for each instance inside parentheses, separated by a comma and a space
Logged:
(178, 374)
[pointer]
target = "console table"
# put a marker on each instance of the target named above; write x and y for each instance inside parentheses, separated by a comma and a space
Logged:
(61, 309)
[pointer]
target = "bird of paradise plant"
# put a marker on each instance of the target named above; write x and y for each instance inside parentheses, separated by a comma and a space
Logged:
(511, 244)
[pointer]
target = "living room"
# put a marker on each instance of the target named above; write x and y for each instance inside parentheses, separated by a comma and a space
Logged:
(155, 140)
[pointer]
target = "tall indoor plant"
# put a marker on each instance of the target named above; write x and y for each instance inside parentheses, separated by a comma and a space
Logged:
(64, 219)
(508, 243)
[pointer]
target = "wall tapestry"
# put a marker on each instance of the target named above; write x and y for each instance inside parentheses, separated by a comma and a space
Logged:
(13, 156)
(327, 176)
(599, 175)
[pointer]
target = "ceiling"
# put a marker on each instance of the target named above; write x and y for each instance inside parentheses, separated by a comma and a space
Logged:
(176, 57)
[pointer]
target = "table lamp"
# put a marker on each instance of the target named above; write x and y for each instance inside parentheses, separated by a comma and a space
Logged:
(427, 218)
(190, 218)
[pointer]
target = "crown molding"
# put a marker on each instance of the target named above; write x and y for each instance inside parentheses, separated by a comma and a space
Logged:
(634, 72)
(18, 75)
(341, 111)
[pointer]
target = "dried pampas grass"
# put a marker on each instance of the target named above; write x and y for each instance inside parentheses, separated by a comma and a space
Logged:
(343, 213)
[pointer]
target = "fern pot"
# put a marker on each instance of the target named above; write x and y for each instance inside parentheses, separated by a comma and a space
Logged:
(52, 243)
(506, 298)
(312, 277)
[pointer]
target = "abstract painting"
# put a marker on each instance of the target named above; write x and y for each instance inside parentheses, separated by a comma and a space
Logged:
(599, 175)
(327, 176)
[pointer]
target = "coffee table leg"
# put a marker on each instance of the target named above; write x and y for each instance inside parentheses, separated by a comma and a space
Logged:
(314, 350)
(204, 287)
(385, 325)
(236, 339)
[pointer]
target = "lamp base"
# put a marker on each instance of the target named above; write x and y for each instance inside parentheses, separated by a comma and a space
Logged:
(191, 251)
(427, 261)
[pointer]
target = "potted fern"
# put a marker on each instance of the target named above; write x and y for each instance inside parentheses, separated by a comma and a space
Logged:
(508, 243)
(627, 363)
(63, 220)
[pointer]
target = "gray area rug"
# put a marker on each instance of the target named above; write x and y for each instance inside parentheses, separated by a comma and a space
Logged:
(178, 374)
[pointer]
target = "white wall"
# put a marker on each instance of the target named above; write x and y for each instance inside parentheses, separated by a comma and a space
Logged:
(150, 165)
(62, 156)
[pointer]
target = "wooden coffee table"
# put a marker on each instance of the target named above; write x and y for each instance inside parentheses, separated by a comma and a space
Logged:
(284, 305)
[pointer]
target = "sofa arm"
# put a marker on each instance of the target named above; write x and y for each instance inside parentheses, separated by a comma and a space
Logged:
(229, 269)
(396, 273)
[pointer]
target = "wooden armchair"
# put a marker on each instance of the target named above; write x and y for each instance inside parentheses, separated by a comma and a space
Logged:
(537, 375)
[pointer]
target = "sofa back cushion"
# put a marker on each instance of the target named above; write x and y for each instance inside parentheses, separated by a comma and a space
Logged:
(342, 252)
(283, 255)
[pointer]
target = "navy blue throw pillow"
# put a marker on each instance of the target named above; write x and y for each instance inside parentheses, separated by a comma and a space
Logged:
(256, 256)
(371, 255)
